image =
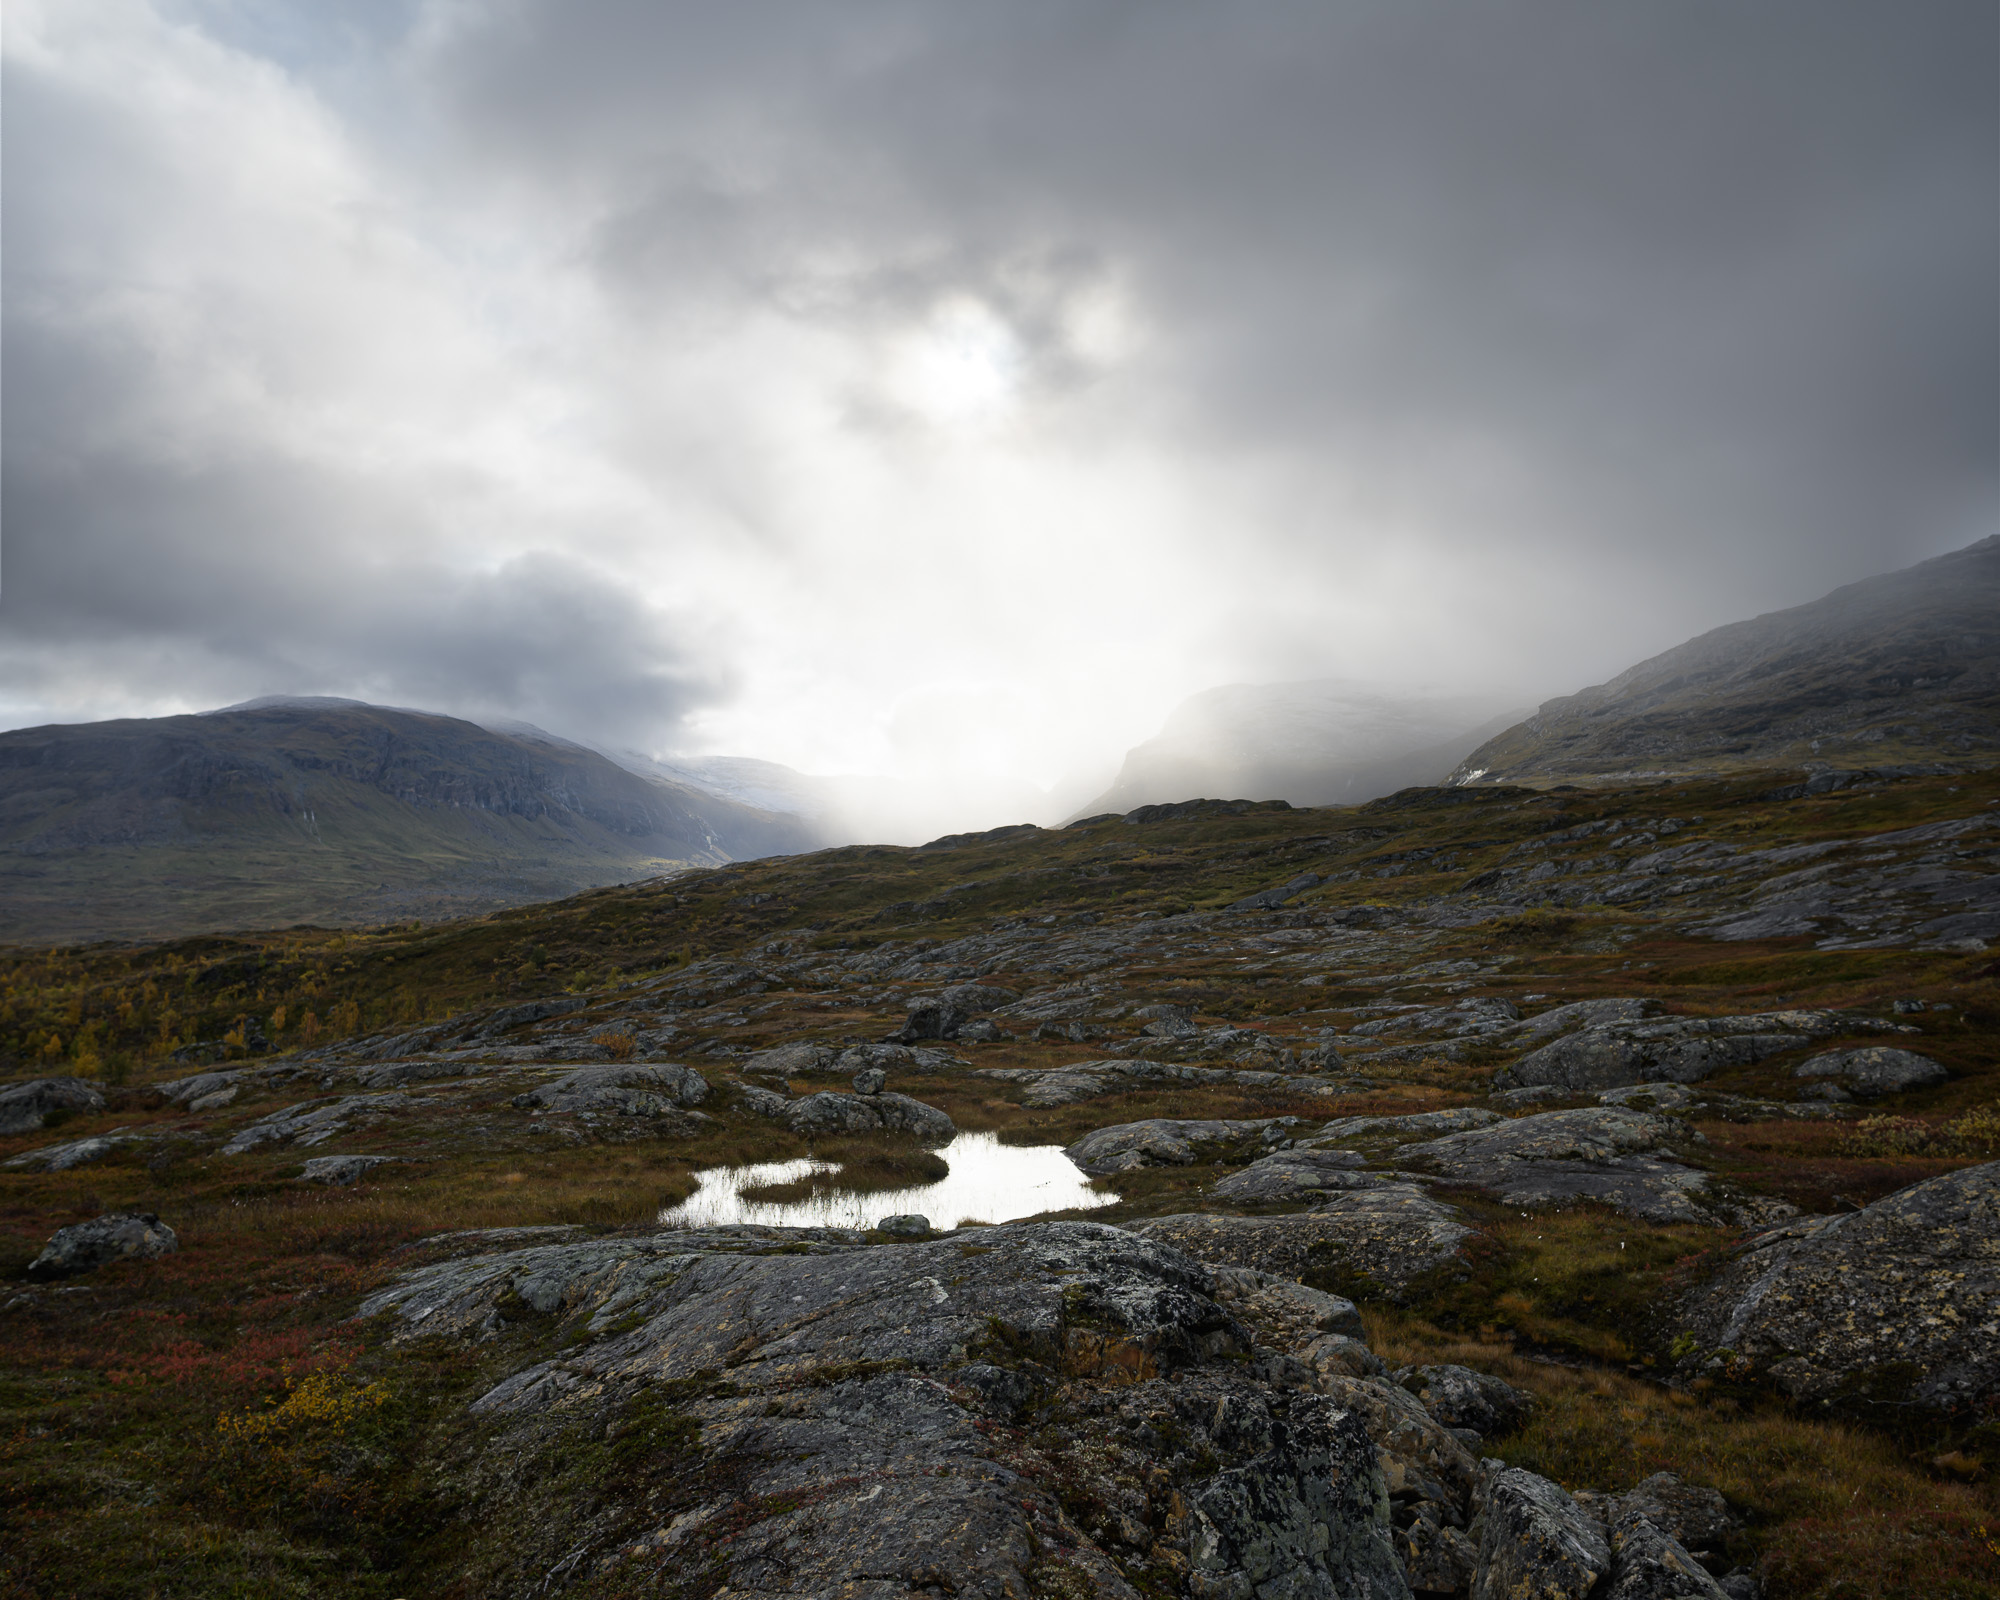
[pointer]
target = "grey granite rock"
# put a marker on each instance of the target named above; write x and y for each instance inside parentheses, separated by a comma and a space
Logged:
(788, 1060)
(1462, 1398)
(1162, 1142)
(1378, 1240)
(1536, 1542)
(875, 1113)
(1649, 1563)
(1698, 1518)
(869, 1080)
(76, 1153)
(1605, 1153)
(341, 1172)
(24, 1107)
(86, 1246)
(834, 1401)
(627, 1089)
(1902, 1295)
(1298, 1177)
(1874, 1070)
(1669, 1050)
(905, 1225)
(315, 1121)
(1344, 1131)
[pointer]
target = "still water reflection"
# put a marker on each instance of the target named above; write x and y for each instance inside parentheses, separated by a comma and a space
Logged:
(989, 1182)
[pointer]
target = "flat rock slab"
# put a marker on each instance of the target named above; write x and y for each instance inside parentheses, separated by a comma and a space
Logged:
(1377, 1240)
(846, 1417)
(1874, 1070)
(1164, 1142)
(1611, 1154)
(633, 1089)
(1671, 1050)
(76, 1153)
(313, 1122)
(1903, 1295)
(1299, 1177)
(1344, 1131)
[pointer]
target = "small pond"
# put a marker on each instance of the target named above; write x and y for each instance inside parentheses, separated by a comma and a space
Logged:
(989, 1182)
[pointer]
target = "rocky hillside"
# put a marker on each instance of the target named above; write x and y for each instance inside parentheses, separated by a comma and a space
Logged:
(1477, 1192)
(330, 812)
(1325, 742)
(1895, 670)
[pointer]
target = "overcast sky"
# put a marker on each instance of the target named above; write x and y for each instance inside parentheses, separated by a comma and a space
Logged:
(950, 389)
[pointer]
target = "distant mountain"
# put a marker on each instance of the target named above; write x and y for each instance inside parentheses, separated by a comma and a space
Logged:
(1329, 741)
(1900, 669)
(334, 812)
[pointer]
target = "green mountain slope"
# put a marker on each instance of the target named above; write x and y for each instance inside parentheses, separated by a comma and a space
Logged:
(328, 812)
(1896, 669)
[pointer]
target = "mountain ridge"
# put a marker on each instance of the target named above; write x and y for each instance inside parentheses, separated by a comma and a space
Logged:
(294, 810)
(1901, 667)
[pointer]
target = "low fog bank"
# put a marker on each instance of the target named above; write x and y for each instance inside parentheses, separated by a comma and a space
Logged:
(1328, 741)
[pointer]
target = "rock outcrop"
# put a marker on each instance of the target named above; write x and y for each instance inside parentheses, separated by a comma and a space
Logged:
(634, 1089)
(1380, 1240)
(24, 1107)
(86, 1246)
(1611, 1154)
(1162, 1142)
(1874, 1070)
(836, 1419)
(1610, 1055)
(1902, 1296)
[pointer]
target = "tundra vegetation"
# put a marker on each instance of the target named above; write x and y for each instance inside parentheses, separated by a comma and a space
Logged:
(1237, 1003)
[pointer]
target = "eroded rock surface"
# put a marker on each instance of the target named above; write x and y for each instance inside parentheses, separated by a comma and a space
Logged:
(1671, 1050)
(1903, 1294)
(1162, 1142)
(1299, 1177)
(24, 1107)
(1462, 1398)
(633, 1089)
(854, 1421)
(86, 1246)
(1622, 1157)
(1381, 1239)
(1874, 1070)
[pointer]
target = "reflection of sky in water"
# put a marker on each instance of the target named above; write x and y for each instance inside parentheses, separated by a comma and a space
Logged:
(989, 1182)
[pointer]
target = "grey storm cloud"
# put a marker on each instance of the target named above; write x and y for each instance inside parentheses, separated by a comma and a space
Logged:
(1520, 338)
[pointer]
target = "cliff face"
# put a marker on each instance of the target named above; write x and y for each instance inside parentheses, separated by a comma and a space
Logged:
(329, 811)
(1897, 669)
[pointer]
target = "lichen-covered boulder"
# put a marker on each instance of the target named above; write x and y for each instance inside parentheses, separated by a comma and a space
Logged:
(1608, 1055)
(1462, 1398)
(1874, 1070)
(874, 1113)
(86, 1246)
(1299, 1177)
(1536, 1542)
(1901, 1299)
(1373, 1241)
(1611, 1154)
(1649, 1563)
(24, 1107)
(629, 1089)
(1162, 1142)
(829, 1418)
